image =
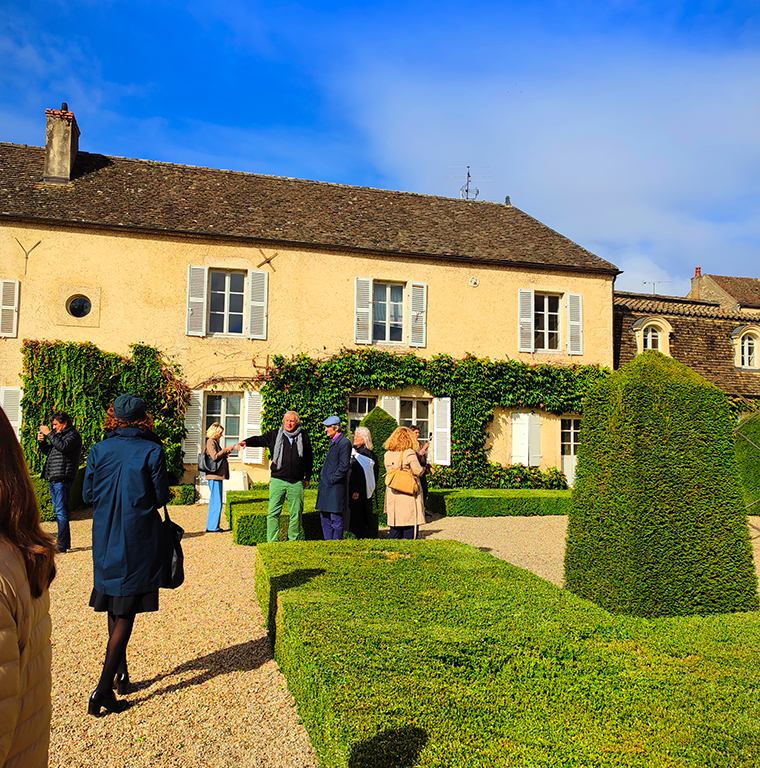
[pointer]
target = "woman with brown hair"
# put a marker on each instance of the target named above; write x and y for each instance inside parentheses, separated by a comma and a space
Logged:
(405, 511)
(27, 566)
(126, 481)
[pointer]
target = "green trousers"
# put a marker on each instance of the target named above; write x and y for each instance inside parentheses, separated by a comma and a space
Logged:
(278, 490)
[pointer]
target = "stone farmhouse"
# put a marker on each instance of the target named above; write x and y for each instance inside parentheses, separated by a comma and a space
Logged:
(221, 270)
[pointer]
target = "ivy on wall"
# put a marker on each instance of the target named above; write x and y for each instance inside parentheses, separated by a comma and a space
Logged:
(84, 381)
(319, 388)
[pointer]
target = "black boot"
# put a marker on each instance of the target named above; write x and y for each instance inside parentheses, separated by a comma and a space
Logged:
(108, 702)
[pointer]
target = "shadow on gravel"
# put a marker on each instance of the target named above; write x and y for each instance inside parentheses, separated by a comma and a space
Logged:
(394, 748)
(242, 657)
(423, 533)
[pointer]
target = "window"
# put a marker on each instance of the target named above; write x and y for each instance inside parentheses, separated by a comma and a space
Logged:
(227, 302)
(387, 312)
(546, 321)
(749, 351)
(358, 408)
(569, 434)
(746, 339)
(413, 411)
(539, 328)
(651, 337)
(227, 410)
(526, 439)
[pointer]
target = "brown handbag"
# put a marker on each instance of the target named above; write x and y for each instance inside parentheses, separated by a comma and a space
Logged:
(402, 480)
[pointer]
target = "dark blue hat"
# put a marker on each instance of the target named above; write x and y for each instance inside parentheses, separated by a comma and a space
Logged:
(332, 421)
(129, 407)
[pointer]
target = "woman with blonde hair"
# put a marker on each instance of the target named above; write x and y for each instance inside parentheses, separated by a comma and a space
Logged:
(405, 511)
(27, 566)
(215, 452)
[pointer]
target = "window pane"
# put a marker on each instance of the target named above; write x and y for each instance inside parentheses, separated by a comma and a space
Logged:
(539, 322)
(553, 322)
(216, 323)
(406, 410)
(353, 424)
(396, 333)
(379, 312)
(232, 427)
(362, 405)
(553, 303)
(233, 404)
(236, 324)
(539, 302)
(236, 302)
(217, 281)
(422, 410)
(237, 282)
(371, 403)
(424, 430)
(539, 340)
(352, 404)
(553, 340)
(397, 293)
(378, 291)
(214, 405)
(397, 313)
(216, 302)
(378, 332)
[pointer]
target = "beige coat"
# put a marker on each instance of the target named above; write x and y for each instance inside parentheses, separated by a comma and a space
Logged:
(25, 656)
(215, 450)
(402, 508)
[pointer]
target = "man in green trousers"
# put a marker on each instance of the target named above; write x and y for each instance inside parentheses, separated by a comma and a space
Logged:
(292, 460)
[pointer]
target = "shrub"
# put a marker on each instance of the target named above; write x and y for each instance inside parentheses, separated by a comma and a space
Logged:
(748, 459)
(498, 503)
(247, 516)
(500, 476)
(381, 426)
(495, 667)
(182, 494)
(657, 524)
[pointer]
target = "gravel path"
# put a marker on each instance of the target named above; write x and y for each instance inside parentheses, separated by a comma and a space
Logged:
(208, 692)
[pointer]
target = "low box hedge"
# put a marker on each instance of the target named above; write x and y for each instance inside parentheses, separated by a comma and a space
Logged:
(432, 653)
(181, 494)
(498, 503)
(247, 515)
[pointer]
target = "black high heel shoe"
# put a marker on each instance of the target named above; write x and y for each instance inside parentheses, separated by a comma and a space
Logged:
(122, 683)
(110, 703)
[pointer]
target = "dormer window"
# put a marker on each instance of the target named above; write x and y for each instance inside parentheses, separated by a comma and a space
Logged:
(652, 333)
(746, 341)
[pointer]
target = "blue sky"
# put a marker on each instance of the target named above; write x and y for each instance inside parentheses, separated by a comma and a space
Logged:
(631, 127)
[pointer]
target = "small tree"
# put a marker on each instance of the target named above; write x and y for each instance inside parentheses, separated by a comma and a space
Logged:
(657, 525)
(381, 426)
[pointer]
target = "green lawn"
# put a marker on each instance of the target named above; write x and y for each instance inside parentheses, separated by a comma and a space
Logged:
(431, 653)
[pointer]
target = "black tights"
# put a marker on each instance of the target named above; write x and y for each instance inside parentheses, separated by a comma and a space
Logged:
(119, 631)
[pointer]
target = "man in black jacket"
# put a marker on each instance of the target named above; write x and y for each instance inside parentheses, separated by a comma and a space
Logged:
(292, 463)
(63, 447)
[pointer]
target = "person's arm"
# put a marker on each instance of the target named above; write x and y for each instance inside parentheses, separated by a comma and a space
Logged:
(262, 441)
(66, 442)
(344, 462)
(10, 683)
(217, 453)
(414, 462)
(88, 489)
(160, 476)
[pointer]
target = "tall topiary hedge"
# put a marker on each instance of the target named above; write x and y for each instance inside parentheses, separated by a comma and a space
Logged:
(381, 426)
(657, 525)
(748, 458)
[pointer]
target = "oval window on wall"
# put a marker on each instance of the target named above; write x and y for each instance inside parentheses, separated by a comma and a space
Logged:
(78, 306)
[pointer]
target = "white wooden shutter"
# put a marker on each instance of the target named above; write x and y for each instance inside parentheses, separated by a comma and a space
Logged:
(520, 423)
(363, 310)
(534, 440)
(392, 404)
(575, 323)
(10, 400)
(253, 406)
(9, 290)
(525, 320)
(418, 315)
(258, 297)
(193, 443)
(197, 290)
(442, 431)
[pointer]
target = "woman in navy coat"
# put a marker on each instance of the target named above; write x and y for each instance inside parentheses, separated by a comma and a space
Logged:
(126, 481)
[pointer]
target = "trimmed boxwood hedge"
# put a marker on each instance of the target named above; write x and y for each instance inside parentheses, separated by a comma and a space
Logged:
(182, 494)
(657, 525)
(433, 654)
(498, 503)
(247, 516)
(748, 458)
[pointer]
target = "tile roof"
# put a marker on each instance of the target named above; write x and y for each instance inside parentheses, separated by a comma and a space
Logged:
(675, 305)
(746, 290)
(120, 192)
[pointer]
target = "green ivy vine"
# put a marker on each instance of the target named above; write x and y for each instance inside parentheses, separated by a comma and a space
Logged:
(84, 381)
(319, 388)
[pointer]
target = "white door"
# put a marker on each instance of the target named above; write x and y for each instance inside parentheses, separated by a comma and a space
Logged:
(569, 442)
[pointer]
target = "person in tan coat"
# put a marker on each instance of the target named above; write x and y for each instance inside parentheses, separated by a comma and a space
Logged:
(405, 511)
(27, 566)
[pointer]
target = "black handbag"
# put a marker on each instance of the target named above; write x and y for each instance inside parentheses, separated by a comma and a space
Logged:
(208, 465)
(174, 558)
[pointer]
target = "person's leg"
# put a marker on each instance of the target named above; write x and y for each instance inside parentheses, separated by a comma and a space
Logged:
(120, 630)
(409, 531)
(214, 505)
(295, 509)
(327, 530)
(395, 532)
(122, 671)
(277, 491)
(59, 494)
(337, 525)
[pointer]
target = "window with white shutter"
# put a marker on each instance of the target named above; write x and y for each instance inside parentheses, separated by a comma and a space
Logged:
(525, 319)
(534, 440)
(575, 323)
(526, 439)
(258, 292)
(254, 404)
(9, 291)
(418, 315)
(442, 431)
(363, 310)
(193, 443)
(10, 400)
(392, 404)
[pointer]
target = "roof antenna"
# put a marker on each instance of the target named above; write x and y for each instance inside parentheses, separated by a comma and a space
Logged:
(654, 284)
(468, 190)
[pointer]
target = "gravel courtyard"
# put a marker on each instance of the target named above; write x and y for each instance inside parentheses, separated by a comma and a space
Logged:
(208, 692)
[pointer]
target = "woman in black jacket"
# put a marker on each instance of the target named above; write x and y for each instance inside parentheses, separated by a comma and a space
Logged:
(362, 522)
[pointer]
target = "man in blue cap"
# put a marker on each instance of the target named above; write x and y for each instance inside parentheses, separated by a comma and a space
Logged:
(332, 497)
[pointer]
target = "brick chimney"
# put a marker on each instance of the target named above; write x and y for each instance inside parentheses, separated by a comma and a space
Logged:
(61, 144)
(696, 285)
